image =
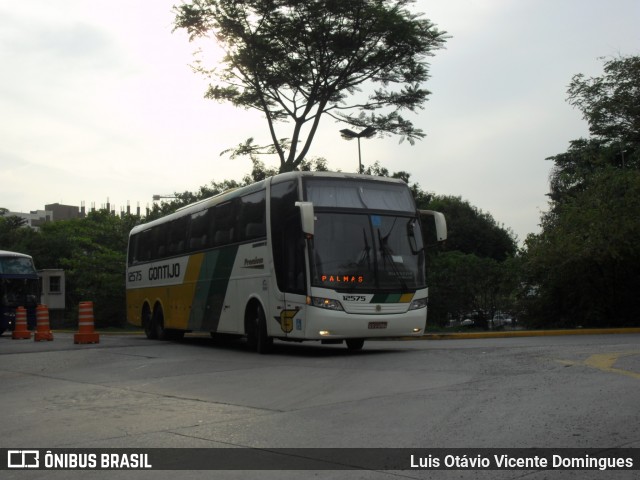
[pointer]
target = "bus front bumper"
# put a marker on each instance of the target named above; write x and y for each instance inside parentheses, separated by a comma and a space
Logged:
(323, 324)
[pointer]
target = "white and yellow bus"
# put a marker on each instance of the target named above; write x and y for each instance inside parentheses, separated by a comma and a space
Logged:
(299, 256)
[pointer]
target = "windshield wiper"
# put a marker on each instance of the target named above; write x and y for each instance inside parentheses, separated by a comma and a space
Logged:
(386, 255)
(367, 249)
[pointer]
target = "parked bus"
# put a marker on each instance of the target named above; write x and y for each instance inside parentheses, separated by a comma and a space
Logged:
(299, 256)
(19, 287)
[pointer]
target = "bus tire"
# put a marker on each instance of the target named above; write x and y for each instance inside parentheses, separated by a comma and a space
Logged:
(256, 329)
(147, 324)
(157, 324)
(355, 344)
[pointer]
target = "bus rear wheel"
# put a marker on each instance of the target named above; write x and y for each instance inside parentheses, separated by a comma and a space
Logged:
(156, 325)
(147, 323)
(256, 328)
(355, 344)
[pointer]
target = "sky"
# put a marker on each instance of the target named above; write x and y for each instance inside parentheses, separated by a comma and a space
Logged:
(98, 103)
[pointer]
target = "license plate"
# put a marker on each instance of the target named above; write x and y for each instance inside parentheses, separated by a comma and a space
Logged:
(375, 325)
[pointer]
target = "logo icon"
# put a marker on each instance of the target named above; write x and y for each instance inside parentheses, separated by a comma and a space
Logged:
(286, 320)
(23, 459)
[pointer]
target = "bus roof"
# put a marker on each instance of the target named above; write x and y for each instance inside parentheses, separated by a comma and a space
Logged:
(6, 253)
(254, 187)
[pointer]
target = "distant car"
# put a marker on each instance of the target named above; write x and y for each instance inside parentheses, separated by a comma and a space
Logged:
(500, 320)
(475, 318)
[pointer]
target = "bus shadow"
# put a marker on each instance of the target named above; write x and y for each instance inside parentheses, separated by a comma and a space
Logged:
(298, 349)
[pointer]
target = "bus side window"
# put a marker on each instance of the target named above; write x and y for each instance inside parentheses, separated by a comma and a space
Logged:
(177, 235)
(251, 218)
(221, 238)
(225, 222)
(133, 249)
(144, 246)
(160, 234)
(202, 224)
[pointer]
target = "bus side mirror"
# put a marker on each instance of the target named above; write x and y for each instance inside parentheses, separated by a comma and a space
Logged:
(440, 224)
(307, 217)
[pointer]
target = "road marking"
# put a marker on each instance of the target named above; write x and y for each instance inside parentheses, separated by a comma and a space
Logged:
(605, 362)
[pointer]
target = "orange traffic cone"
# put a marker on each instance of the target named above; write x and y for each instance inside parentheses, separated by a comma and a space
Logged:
(43, 331)
(85, 325)
(20, 331)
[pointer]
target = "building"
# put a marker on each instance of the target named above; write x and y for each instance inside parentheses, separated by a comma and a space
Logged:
(53, 294)
(54, 212)
(33, 219)
(63, 212)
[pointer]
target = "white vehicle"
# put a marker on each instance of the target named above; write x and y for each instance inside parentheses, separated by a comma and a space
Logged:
(500, 320)
(299, 256)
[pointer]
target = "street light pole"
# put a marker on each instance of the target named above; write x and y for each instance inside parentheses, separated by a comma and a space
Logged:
(350, 135)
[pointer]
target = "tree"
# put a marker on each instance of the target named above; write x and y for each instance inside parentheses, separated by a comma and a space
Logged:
(611, 103)
(611, 106)
(472, 231)
(584, 265)
(582, 269)
(92, 251)
(13, 234)
(12, 222)
(296, 61)
(475, 270)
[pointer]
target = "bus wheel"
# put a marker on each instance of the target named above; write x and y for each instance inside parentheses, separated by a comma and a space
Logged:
(147, 322)
(256, 329)
(354, 344)
(157, 324)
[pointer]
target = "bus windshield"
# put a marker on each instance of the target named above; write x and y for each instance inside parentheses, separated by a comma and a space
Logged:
(372, 195)
(367, 252)
(16, 266)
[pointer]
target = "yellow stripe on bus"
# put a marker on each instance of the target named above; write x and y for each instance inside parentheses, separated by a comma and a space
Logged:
(406, 298)
(176, 305)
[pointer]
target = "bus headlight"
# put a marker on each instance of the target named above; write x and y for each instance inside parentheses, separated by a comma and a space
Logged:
(417, 304)
(327, 303)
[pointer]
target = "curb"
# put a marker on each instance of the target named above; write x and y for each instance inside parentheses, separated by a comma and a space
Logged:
(527, 333)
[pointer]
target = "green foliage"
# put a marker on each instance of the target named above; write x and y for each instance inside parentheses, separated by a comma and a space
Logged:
(582, 269)
(11, 233)
(92, 252)
(584, 266)
(583, 159)
(473, 231)
(611, 103)
(460, 283)
(476, 269)
(297, 61)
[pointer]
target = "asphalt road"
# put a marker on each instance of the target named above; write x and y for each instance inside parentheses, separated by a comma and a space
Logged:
(130, 392)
